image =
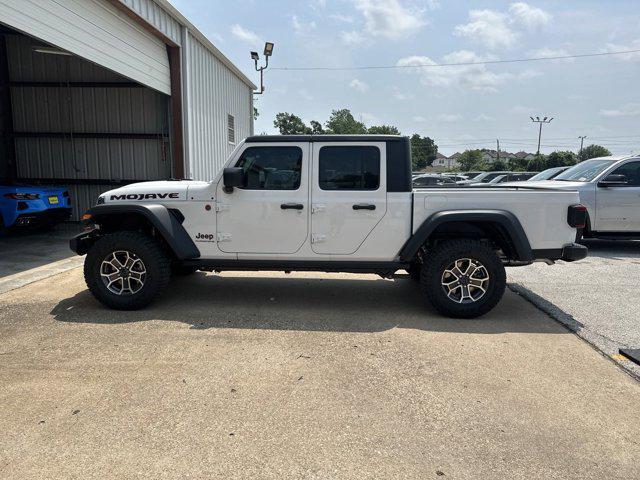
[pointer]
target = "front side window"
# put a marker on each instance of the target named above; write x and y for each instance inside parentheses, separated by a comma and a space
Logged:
(630, 170)
(349, 168)
(271, 168)
(585, 171)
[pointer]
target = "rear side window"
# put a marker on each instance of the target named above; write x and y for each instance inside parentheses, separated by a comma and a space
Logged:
(271, 168)
(349, 168)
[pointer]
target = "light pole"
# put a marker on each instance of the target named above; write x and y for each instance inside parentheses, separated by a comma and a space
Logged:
(268, 50)
(582, 137)
(540, 121)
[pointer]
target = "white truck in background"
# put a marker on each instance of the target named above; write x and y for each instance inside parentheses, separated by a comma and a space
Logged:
(331, 204)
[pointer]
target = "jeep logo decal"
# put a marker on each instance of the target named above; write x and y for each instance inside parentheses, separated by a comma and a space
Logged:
(144, 196)
(205, 237)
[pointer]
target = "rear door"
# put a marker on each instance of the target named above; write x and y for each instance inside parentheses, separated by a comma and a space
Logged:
(348, 194)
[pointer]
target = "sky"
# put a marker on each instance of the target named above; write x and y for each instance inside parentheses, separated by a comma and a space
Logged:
(460, 107)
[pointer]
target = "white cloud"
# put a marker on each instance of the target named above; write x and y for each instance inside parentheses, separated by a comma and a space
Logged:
(628, 110)
(368, 119)
(468, 77)
(301, 27)
(627, 57)
(449, 117)
(353, 38)
(546, 52)
(488, 27)
(359, 85)
(389, 18)
(419, 119)
(532, 18)
(522, 110)
(304, 94)
(402, 95)
(484, 118)
(245, 35)
(338, 17)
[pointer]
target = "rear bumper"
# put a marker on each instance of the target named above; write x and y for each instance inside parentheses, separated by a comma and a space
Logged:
(571, 252)
(44, 217)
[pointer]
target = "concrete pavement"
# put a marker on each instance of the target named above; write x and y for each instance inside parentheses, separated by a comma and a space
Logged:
(597, 297)
(302, 376)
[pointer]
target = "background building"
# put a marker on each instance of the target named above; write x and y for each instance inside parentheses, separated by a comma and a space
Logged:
(99, 93)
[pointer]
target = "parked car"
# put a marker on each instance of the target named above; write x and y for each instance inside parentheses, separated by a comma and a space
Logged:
(548, 174)
(326, 203)
(455, 177)
(609, 187)
(428, 180)
(484, 177)
(24, 206)
(471, 175)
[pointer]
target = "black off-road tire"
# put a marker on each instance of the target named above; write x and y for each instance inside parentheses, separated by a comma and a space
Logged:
(156, 262)
(442, 256)
(414, 271)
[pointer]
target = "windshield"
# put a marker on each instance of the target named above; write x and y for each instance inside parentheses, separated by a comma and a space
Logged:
(487, 177)
(585, 171)
(547, 174)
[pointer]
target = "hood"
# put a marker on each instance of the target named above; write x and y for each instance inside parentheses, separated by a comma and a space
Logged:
(162, 190)
(551, 184)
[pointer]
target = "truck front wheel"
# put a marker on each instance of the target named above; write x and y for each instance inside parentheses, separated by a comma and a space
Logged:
(126, 270)
(463, 278)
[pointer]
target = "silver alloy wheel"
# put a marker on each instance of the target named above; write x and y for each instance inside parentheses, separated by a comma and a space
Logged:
(465, 281)
(123, 272)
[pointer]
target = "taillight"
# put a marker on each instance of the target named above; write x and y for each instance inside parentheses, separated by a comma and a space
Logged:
(577, 216)
(22, 196)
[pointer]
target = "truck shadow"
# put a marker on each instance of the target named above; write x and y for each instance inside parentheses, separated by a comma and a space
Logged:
(315, 304)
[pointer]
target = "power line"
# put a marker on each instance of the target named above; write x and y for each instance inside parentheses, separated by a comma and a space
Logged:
(463, 64)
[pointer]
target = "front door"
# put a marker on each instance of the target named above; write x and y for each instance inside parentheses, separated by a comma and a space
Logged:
(348, 195)
(269, 214)
(618, 208)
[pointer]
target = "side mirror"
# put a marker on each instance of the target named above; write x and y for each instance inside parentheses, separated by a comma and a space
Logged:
(233, 177)
(614, 180)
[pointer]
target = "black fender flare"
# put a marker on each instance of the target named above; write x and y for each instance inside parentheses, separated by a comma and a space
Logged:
(166, 224)
(506, 220)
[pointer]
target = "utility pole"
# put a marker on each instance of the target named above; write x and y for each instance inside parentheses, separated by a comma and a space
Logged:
(498, 149)
(540, 121)
(582, 137)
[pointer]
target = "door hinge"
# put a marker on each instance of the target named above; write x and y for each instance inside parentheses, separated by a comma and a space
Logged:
(318, 208)
(222, 206)
(318, 237)
(223, 237)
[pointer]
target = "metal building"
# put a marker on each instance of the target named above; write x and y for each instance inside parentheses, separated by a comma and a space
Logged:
(100, 93)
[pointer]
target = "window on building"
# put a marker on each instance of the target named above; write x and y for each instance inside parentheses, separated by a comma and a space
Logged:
(231, 128)
(349, 168)
(271, 168)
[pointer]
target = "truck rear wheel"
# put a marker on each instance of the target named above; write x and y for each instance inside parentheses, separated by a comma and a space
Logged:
(463, 278)
(126, 270)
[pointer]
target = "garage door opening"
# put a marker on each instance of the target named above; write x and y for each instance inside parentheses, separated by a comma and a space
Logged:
(69, 122)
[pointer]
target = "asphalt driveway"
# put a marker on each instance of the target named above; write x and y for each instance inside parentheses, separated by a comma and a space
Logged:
(302, 376)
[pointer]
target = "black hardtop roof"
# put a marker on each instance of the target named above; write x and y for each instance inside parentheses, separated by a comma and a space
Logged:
(324, 138)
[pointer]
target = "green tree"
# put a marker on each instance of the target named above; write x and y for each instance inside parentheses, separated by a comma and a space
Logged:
(537, 164)
(383, 130)
(256, 114)
(560, 159)
(517, 164)
(341, 122)
(593, 151)
(498, 166)
(471, 160)
(316, 128)
(290, 124)
(423, 151)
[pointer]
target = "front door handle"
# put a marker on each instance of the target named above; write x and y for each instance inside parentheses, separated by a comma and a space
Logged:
(291, 206)
(364, 206)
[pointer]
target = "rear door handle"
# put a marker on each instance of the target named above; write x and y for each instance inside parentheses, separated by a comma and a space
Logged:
(364, 206)
(291, 206)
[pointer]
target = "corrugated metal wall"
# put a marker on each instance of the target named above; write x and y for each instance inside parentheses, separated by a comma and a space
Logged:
(158, 17)
(121, 109)
(213, 92)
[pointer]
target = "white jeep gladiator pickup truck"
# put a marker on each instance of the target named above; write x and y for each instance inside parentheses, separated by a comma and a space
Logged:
(331, 204)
